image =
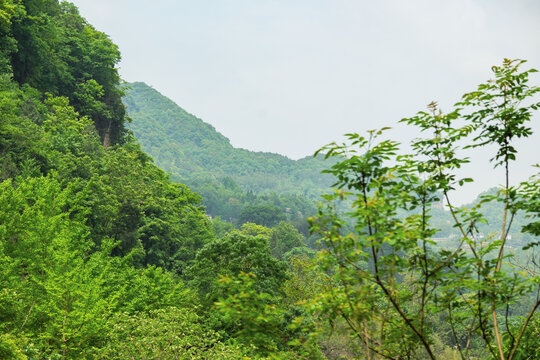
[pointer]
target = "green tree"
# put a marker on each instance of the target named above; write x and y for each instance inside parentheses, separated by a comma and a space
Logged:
(253, 229)
(263, 214)
(390, 275)
(231, 255)
(58, 52)
(168, 333)
(253, 316)
(284, 238)
(260, 321)
(54, 287)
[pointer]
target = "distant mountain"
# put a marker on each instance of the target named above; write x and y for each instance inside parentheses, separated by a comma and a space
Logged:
(194, 152)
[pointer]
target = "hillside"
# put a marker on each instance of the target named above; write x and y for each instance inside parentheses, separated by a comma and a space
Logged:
(98, 247)
(103, 256)
(194, 152)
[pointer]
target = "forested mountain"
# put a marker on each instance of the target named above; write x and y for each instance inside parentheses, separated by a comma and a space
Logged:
(193, 151)
(102, 256)
(96, 243)
(245, 186)
(236, 184)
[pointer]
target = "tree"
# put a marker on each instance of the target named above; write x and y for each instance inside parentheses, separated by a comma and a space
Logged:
(253, 316)
(284, 238)
(52, 286)
(391, 277)
(231, 255)
(261, 321)
(169, 333)
(50, 47)
(261, 214)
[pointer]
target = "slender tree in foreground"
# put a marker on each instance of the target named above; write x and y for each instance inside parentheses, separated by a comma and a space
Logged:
(392, 280)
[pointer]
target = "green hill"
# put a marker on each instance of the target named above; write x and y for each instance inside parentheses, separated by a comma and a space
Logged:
(194, 152)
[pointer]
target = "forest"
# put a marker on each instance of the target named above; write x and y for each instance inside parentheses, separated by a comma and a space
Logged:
(130, 229)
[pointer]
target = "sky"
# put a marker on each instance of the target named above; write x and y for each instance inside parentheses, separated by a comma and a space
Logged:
(288, 76)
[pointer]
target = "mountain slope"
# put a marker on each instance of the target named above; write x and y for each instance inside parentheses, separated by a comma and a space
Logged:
(194, 152)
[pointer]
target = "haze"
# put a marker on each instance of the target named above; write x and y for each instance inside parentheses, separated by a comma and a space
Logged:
(289, 76)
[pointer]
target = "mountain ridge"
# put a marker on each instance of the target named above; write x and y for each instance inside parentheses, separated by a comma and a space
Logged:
(194, 151)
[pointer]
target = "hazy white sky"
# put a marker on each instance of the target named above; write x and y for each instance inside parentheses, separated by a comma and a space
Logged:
(288, 76)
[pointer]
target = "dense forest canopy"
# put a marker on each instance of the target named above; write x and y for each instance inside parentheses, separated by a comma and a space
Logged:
(104, 256)
(193, 151)
(242, 186)
(236, 184)
(96, 241)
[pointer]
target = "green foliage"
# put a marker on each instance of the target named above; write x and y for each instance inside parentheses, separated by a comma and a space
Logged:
(253, 229)
(163, 220)
(150, 288)
(253, 316)
(285, 238)
(306, 281)
(126, 197)
(20, 140)
(390, 277)
(45, 262)
(9, 9)
(96, 241)
(77, 220)
(530, 346)
(265, 215)
(220, 227)
(168, 333)
(259, 320)
(53, 49)
(9, 349)
(236, 184)
(498, 113)
(237, 206)
(94, 236)
(54, 288)
(231, 255)
(194, 151)
(529, 202)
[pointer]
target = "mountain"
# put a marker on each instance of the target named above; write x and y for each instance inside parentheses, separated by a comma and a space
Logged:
(194, 152)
